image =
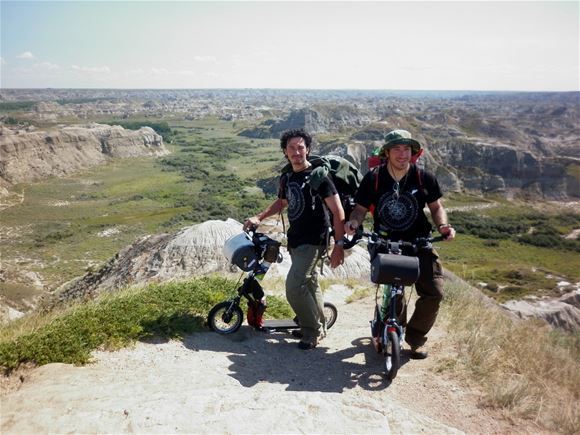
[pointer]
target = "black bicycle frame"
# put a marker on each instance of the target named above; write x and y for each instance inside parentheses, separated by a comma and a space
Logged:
(391, 322)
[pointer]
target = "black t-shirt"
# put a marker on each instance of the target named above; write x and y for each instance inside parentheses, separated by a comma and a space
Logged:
(399, 217)
(308, 222)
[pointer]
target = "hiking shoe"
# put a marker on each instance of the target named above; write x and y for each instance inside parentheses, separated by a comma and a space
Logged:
(297, 333)
(307, 345)
(417, 352)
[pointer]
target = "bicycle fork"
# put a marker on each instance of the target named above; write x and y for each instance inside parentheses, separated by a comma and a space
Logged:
(229, 312)
(385, 319)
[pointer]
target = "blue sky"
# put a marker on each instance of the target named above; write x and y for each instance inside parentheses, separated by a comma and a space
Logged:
(428, 45)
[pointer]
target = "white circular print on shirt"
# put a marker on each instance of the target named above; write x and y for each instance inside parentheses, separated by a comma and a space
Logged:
(295, 201)
(398, 214)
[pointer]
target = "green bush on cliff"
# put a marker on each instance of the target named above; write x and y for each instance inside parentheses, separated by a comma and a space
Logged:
(161, 127)
(115, 320)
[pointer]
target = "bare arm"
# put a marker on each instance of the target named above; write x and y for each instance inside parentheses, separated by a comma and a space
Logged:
(439, 216)
(335, 207)
(355, 219)
(276, 207)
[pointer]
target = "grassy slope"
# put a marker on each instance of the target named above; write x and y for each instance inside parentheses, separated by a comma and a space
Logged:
(70, 333)
(61, 220)
(509, 268)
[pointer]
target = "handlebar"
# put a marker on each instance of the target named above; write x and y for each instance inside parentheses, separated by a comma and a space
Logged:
(258, 239)
(375, 242)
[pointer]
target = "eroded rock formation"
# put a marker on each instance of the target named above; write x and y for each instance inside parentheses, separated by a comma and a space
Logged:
(504, 146)
(29, 155)
(563, 312)
(193, 251)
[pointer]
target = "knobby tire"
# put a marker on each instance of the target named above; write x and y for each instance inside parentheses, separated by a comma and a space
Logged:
(331, 314)
(392, 355)
(217, 321)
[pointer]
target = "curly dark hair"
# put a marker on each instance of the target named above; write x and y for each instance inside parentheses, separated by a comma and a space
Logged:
(296, 132)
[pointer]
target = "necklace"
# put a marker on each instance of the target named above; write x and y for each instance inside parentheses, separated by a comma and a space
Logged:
(397, 185)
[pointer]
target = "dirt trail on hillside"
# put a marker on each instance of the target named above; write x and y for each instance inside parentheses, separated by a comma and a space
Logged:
(250, 382)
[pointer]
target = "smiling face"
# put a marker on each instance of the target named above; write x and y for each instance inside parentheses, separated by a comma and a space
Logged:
(399, 156)
(296, 151)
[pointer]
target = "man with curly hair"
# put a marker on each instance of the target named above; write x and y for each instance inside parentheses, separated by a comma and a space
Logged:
(306, 234)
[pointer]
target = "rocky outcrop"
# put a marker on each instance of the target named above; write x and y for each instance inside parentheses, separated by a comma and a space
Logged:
(467, 164)
(518, 144)
(29, 155)
(563, 312)
(318, 119)
(193, 251)
(490, 167)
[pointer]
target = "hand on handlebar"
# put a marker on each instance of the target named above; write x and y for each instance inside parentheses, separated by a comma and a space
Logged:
(447, 232)
(252, 223)
(350, 227)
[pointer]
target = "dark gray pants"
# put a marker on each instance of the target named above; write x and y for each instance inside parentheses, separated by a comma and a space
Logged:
(430, 294)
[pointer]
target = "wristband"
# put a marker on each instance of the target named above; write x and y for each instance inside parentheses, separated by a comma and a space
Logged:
(339, 242)
(443, 225)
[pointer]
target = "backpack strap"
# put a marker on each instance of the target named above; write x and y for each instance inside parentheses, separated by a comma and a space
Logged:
(282, 187)
(376, 170)
(317, 176)
(420, 175)
(321, 170)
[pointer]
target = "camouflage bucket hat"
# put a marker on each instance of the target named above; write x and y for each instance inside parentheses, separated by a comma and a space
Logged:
(400, 137)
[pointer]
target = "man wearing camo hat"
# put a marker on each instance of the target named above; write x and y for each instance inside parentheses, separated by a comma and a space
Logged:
(398, 191)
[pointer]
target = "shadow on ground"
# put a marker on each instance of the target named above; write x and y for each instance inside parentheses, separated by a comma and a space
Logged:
(275, 358)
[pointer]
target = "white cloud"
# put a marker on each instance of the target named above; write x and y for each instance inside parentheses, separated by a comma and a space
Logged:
(159, 71)
(205, 59)
(48, 66)
(91, 69)
(25, 55)
(215, 75)
(133, 73)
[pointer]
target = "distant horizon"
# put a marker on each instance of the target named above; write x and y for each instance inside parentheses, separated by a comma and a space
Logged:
(294, 89)
(499, 46)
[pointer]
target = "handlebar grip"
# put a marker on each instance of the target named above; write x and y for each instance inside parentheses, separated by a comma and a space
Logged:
(356, 237)
(349, 243)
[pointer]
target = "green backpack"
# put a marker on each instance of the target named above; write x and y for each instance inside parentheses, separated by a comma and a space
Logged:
(345, 176)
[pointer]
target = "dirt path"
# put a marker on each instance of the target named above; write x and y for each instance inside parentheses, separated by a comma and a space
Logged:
(252, 382)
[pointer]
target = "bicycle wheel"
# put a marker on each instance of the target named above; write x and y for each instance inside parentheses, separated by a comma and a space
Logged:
(330, 313)
(225, 318)
(392, 355)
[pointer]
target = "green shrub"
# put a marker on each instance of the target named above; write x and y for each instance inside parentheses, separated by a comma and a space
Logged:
(13, 106)
(115, 320)
(530, 228)
(161, 127)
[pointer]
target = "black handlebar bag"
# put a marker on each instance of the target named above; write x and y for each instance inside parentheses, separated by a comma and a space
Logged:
(394, 269)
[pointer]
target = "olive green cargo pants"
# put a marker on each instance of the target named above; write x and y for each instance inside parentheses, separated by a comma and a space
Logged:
(303, 292)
